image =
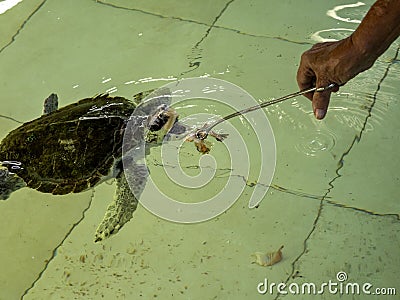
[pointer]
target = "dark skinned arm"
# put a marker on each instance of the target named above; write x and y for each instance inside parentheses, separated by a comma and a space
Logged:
(338, 62)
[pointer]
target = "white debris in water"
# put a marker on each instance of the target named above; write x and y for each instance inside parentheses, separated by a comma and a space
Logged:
(333, 12)
(8, 4)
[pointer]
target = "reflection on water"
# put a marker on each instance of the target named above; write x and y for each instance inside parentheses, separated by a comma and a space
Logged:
(350, 109)
(115, 88)
(151, 79)
(286, 116)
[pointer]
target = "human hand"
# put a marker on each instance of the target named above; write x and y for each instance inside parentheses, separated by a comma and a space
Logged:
(326, 63)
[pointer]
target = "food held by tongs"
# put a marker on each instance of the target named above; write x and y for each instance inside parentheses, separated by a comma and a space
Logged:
(199, 139)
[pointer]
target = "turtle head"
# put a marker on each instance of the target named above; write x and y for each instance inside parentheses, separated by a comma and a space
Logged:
(163, 118)
(9, 182)
(164, 123)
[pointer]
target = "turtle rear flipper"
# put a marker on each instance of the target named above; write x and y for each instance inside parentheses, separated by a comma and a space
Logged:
(50, 104)
(119, 211)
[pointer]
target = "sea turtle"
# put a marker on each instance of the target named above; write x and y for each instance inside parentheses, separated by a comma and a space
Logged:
(71, 149)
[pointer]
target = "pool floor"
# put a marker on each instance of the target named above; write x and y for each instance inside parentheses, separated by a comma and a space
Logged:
(333, 200)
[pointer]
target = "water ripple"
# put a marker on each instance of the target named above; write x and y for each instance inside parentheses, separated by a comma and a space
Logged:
(314, 143)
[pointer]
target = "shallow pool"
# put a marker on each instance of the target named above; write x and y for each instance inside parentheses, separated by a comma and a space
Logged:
(332, 196)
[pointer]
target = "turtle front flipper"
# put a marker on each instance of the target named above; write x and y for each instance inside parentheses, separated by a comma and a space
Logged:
(119, 211)
(50, 104)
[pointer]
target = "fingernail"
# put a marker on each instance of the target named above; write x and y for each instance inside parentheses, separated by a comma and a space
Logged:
(320, 113)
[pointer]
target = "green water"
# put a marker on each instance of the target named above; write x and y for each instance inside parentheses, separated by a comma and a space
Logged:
(333, 198)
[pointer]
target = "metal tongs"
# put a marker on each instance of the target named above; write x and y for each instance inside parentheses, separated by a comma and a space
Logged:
(205, 130)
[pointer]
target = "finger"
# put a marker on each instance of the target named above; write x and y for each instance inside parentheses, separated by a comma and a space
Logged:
(320, 101)
(305, 79)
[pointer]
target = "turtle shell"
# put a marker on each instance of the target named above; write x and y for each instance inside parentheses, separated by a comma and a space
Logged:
(71, 149)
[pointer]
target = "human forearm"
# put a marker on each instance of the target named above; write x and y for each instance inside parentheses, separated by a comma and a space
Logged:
(338, 62)
(379, 28)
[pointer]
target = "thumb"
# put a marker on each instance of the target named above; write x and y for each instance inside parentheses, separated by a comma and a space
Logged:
(320, 100)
